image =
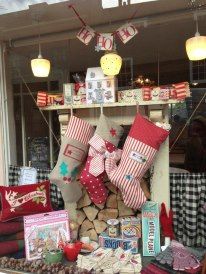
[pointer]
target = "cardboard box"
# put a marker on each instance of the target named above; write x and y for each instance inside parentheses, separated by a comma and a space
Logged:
(150, 229)
(106, 242)
(130, 227)
(45, 231)
(130, 96)
(99, 88)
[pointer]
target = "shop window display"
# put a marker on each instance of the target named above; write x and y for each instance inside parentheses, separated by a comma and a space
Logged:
(127, 177)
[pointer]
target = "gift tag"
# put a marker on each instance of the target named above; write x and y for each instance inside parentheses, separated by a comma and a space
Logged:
(28, 175)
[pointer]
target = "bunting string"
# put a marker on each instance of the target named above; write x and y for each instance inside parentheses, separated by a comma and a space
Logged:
(105, 41)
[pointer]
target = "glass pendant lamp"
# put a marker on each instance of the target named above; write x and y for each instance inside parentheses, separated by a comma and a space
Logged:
(40, 66)
(196, 46)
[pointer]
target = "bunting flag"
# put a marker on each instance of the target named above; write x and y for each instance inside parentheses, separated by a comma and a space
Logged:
(86, 34)
(105, 41)
(126, 32)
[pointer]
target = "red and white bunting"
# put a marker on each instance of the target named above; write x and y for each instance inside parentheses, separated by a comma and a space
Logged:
(105, 41)
(126, 32)
(86, 34)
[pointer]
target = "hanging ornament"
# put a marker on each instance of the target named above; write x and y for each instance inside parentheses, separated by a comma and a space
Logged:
(86, 34)
(111, 63)
(126, 32)
(40, 66)
(196, 46)
(105, 41)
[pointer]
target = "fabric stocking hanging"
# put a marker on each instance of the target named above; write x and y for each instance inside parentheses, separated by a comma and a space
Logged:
(103, 143)
(139, 150)
(72, 154)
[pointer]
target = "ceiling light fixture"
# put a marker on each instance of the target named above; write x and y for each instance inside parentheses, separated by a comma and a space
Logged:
(196, 46)
(111, 63)
(40, 66)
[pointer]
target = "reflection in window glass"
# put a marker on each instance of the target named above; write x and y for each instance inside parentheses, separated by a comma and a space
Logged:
(8, 6)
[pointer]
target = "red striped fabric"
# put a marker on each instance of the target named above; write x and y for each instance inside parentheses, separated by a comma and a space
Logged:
(41, 99)
(132, 193)
(97, 143)
(138, 154)
(181, 90)
(79, 130)
(147, 132)
(146, 93)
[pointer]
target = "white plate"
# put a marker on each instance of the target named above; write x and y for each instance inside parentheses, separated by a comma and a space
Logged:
(95, 245)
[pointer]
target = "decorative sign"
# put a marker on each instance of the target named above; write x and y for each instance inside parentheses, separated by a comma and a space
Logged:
(150, 229)
(86, 34)
(105, 41)
(15, 202)
(38, 152)
(126, 32)
(28, 176)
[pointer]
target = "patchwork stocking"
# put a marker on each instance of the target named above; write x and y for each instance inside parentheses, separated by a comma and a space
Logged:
(139, 150)
(72, 154)
(103, 143)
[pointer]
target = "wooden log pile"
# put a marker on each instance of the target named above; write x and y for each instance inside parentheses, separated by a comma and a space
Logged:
(92, 218)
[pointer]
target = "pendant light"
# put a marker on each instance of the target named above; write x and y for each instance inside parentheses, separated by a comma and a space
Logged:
(111, 63)
(196, 46)
(40, 66)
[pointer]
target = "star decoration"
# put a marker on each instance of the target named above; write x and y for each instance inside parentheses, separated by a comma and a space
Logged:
(113, 132)
(74, 172)
(128, 177)
(64, 169)
(97, 48)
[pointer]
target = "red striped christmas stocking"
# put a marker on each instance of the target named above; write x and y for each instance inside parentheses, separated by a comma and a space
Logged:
(103, 143)
(139, 150)
(72, 154)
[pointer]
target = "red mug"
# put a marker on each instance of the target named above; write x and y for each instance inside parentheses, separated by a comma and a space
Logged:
(72, 250)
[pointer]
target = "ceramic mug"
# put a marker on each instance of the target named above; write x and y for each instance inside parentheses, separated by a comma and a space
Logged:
(72, 250)
(52, 256)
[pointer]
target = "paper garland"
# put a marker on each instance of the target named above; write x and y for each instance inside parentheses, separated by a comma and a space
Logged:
(105, 41)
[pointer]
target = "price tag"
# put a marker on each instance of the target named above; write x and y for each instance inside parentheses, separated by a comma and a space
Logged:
(28, 176)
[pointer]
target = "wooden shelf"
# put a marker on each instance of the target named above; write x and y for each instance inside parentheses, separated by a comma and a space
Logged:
(109, 105)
